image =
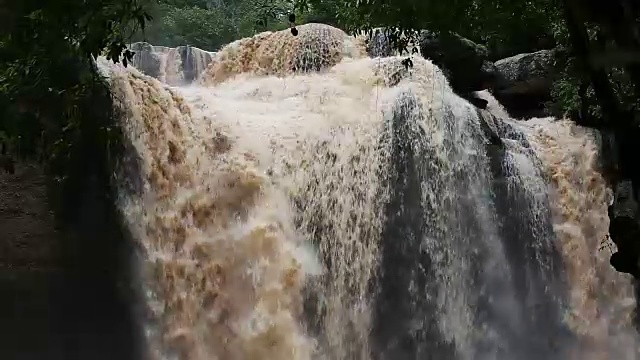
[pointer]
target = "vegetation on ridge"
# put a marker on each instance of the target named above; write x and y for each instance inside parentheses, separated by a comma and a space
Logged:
(210, 24)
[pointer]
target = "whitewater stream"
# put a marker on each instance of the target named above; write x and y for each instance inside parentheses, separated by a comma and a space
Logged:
(303, 201)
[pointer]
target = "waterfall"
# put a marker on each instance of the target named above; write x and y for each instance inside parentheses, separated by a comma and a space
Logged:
(304, 201)
(177, 66)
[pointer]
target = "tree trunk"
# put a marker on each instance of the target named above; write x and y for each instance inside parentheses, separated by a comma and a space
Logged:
(580, 47)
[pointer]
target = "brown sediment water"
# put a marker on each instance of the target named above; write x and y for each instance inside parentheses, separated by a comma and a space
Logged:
(304, 201)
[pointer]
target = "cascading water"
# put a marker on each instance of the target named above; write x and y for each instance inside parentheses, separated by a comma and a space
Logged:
(601, 301)
(307, 202)
(174, 66)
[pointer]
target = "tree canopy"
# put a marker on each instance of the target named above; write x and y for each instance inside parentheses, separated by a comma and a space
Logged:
(40, 36)
(507, 27)
(54, 106)
(210, 24)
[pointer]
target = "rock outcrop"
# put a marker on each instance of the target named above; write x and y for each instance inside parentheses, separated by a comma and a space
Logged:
(466, 62)
(27, 228)
(524, 82)
(61, 291)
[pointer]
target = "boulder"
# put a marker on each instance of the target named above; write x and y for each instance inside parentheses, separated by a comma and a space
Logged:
(529, 73)
(46, 259)
(524, 83)
(465, 62)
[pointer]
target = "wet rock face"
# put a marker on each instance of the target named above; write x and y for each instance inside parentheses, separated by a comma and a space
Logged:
(618, 165)
(466, 62)
(529, 73)
(624, 229)
(27, 227)
(62, 293)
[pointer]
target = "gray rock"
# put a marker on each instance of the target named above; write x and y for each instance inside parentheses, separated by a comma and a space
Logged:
(625, 204)
(465, 62)
(490, 129)
(523, 83)
(529, 73)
